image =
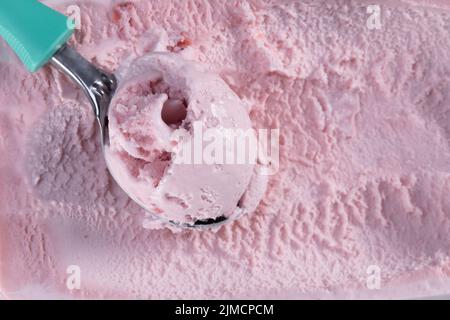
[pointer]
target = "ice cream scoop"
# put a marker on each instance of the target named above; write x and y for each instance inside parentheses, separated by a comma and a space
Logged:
(38, 35)
(188, 195)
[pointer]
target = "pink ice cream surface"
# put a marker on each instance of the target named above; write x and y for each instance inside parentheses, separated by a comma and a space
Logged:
(147, 134)
(364, 176)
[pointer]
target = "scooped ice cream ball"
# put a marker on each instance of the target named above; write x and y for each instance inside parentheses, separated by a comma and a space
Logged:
(181, 142)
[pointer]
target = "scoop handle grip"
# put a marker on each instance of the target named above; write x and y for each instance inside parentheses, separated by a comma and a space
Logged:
(33, 30)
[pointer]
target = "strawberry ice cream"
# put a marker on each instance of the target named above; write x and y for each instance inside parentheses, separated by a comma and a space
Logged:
(161, 101)
(359, 206)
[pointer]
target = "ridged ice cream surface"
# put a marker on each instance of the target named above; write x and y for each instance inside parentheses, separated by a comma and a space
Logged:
(358, 207)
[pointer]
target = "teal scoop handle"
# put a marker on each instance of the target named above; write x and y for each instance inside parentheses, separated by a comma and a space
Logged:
(34, 31)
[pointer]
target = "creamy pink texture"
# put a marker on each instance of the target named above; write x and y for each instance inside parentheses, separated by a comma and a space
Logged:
(153, 157)
(364, 175)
